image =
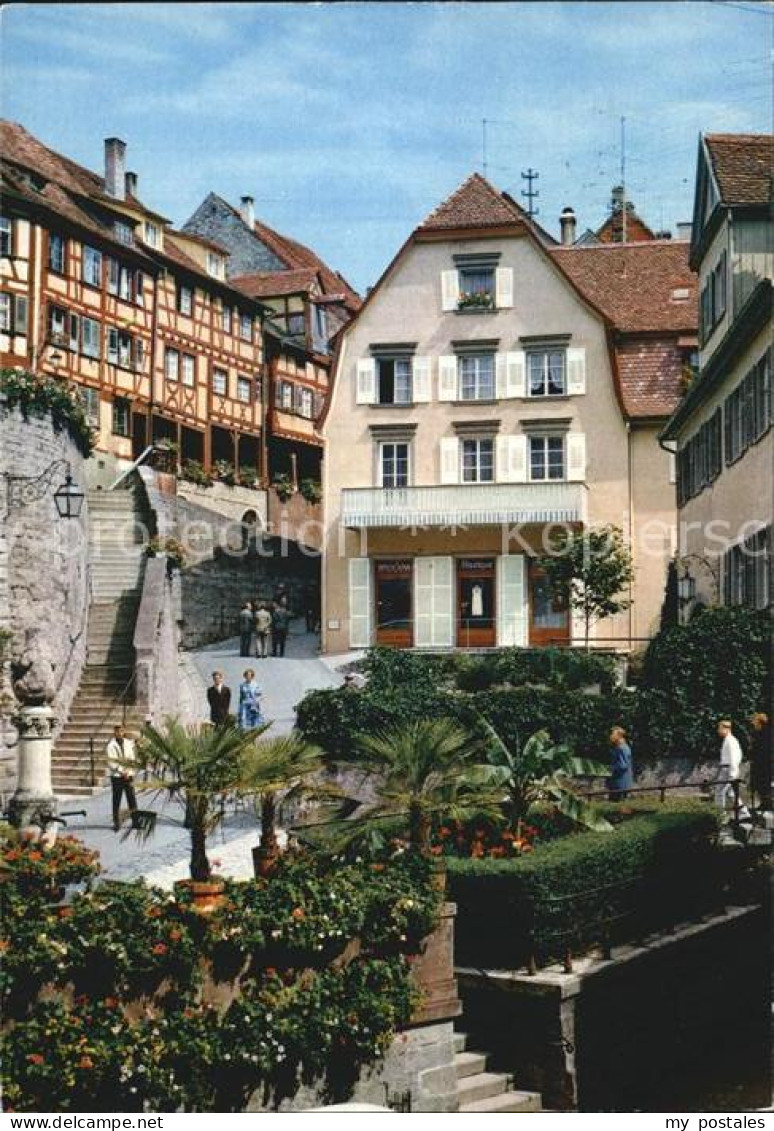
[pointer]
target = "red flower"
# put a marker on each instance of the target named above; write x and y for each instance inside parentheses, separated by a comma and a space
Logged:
(85, 1062)
(153, 912)
(298, 913)
(111, 1003)
(4, 945)
(159, 948)
(36, 1058)
(36, 856)
(437, 849)
(175, 935)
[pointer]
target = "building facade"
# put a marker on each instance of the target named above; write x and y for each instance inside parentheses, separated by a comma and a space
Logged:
(722, 431)
(479, 399)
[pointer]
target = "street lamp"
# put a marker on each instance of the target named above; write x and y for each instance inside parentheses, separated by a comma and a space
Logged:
(24, 489)
(69, 499)
(686, 588)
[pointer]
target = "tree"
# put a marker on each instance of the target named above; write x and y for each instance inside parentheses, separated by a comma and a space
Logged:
(589, 571)
(540, 770)
(670, 609)
(420, 771)
(198, 765)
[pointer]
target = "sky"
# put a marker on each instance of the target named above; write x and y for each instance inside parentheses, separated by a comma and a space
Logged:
(349, 122)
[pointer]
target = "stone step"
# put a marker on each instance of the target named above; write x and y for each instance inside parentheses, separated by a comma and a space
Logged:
(481, 1086)
(469, 1064)
(505, 1102)
(460, 1041)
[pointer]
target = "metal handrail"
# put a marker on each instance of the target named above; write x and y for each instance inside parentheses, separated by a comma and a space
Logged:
(134, 466)
(121, 697)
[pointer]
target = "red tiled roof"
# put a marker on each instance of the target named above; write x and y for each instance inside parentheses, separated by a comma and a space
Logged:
(743, 165)
(637, 231)
(267, 284)
(650, 377)
(475, 204)
(177, 255)
(639, 287)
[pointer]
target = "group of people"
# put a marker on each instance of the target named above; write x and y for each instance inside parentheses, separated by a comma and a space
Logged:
(248, 714)
(268, 623)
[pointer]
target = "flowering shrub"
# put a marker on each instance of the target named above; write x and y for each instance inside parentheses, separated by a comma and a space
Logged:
(37, 396)
(38, 870)
(121, 999)
(479, 839)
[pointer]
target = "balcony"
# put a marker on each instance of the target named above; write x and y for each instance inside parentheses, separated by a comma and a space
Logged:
(469, 504)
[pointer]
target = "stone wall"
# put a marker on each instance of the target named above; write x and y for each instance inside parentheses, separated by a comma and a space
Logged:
(44, 574)
(156, 639)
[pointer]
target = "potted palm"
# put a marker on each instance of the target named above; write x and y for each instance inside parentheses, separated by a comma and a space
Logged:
(197, 765)
(278, 771)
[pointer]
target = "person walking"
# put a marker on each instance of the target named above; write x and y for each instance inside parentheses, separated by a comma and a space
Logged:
(249, 702)
(262, 631)
(120, 761)
(246, 625)
(219, 699)
(760, 760)
(621, 778)
(280, 622)
(730, 771)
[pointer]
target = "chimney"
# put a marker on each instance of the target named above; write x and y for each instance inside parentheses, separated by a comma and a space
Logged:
(568, 221)
(115, 167)
(247, 211)
(131, 184)
(617, 198)
(684, 229)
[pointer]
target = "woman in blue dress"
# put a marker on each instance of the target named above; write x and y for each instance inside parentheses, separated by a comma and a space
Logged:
(249, 715)
(621, 767)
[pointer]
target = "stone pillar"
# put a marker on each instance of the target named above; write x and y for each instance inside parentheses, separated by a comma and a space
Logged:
(34, 791)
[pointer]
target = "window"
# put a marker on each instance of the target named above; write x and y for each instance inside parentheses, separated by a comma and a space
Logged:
(296, 324)
(75, 332)
(139, 288)
(91, 337)
(225, 319)
(20, 314)
(246, 327)
(700, 461)
(546, 457)
(394, 464)
(6, 236)
(220, 382)
(90, 401)
(92, 266)
(121, 349)
(747, 571)
(285, 395)
(123, 232)
(5, 313)
(189, 370)
(477, 461)
(172, 365)
(477, 377)
(244, 390)
(152, 234)
(125, 284)
(57, 325)
(320, 323)
(394, 377)
(306, 403)
(214, 265)
(477, 287)
(546, 373)
(120, 417)
(112, 275)
(184, 299)
(748, 410)
(712, 305)
(56, 252)
(139, 353)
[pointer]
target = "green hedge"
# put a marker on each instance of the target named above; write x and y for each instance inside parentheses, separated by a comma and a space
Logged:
(558, 668)
(654, 870)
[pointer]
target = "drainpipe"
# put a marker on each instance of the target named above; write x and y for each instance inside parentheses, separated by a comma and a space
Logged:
(631, 522)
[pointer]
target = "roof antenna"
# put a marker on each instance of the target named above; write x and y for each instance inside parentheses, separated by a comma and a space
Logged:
(530, 193)
(623, 179)
(483, 143)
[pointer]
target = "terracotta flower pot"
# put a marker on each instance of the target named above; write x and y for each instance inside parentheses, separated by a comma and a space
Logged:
(206, 896)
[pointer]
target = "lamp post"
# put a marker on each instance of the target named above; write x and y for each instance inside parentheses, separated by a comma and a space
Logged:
(35, 721)
(686, 583)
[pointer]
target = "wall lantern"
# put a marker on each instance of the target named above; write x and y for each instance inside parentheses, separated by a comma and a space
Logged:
(21, 490)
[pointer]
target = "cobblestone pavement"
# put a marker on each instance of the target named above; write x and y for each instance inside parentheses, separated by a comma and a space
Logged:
(164, 857)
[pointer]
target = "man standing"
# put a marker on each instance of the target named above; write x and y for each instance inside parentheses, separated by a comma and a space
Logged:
(262, 631)
(246, 624)
(219, 699)
(280, 621)
(730, 768)
(120, 759)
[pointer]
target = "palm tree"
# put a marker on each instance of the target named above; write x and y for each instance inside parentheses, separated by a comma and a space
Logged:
(197, 764)
(421, 771)
(283, 765)
(540, 770)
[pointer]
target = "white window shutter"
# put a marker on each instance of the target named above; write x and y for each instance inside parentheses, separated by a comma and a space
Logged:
(447, 378)
(501, 390)
(365, 392)
(672, 467)
(450, 290)
(504, 287)
(576, 456)
(434, 602)
(511, 459)
(420, 379)
(359, 602)
(515, 370)
(576, 371)
(450, 459)
(512, 601)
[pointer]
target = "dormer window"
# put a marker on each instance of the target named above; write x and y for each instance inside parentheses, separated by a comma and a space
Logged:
(215, 265)
(152, 234)
(6, 236)
(123, 232)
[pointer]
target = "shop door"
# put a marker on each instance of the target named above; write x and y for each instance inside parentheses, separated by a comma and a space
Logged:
(549, 620)
(476, 613)
(394, 622)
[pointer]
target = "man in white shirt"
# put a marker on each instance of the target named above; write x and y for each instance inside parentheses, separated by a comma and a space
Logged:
(730, 768)
(120, 760)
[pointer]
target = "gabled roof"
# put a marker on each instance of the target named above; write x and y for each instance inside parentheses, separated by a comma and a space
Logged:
(743, 165)
(640, 287)
(270, 284)
(637, 231)
(475, 204)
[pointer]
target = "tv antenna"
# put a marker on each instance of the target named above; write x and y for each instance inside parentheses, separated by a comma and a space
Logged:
(530, 193)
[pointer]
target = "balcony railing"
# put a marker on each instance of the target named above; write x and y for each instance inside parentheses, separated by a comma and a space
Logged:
(469, 504)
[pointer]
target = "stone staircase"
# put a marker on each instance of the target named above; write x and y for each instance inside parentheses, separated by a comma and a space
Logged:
(105, 692)
(482, 1091)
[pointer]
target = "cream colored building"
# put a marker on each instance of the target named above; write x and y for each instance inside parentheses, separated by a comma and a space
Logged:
(492, 385)
(723, 428)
